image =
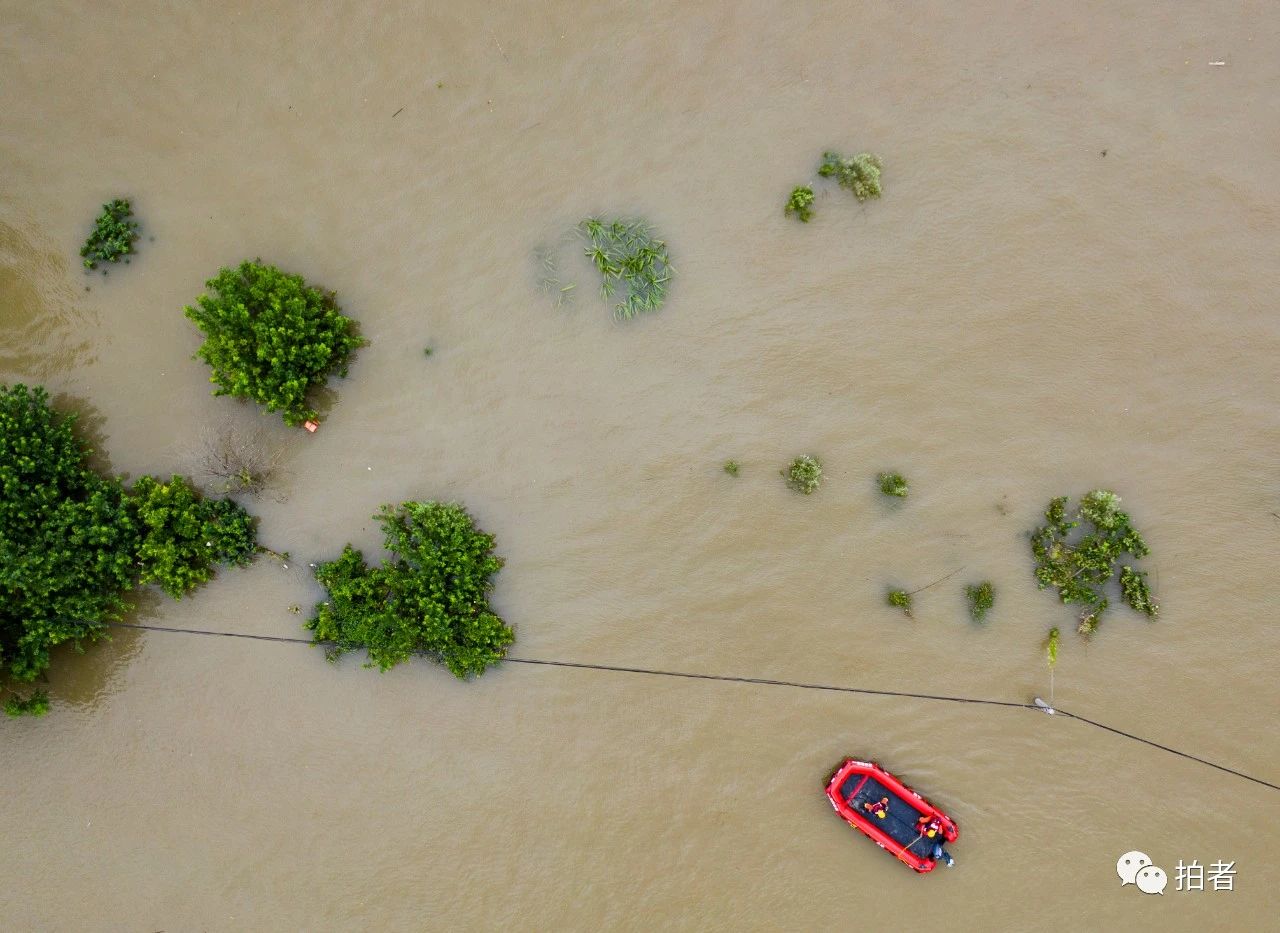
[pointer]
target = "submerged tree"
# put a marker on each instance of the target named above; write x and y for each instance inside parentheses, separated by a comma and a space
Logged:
(800, 203)
(1078, 556)
(272, 338)
(72, 543)
(805, 474)
(860, 173)
(981, 597)
(893, 484)
(430, 597)
(113, 236)
(184, 535)
(899, 599)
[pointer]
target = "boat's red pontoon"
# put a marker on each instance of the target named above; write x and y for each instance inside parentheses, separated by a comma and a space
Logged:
(860, 790)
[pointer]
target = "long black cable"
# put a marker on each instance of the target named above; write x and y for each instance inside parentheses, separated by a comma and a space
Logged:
(763, 681)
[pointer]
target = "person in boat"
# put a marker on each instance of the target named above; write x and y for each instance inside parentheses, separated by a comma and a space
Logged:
(878, 808)
(929, 826)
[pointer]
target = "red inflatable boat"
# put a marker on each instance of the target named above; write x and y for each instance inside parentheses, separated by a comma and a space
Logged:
(873, 800)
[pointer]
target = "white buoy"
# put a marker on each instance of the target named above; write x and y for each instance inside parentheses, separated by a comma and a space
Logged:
(1045, 706)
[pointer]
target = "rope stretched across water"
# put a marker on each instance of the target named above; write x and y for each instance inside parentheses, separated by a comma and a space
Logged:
(758, 681)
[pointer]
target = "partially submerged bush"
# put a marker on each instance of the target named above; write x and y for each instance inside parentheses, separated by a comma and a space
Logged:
(804, 474)
(1079, 564)
(183, 535)
(981, 596)
(272, 338)
(1133, 586)
(732, 467)
(631, 261)
(66, 540)
(860, 174)
(37, 704)
(800, 203)
(72, 543)
(893, 484)
(113, 235)
(431, 596)
(899, 599)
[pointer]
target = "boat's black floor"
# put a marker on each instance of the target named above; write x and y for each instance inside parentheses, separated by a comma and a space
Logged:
(900, 822)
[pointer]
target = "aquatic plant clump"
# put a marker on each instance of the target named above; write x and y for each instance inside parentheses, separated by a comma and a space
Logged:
(899, 599)
(893, 484)
(800, 203)
(272, 338)
(732, 467)
(981, 597)
(113, 235)
(860, 174)
(430, 597)
(631, 261)
(804, 475)
(1078, 556)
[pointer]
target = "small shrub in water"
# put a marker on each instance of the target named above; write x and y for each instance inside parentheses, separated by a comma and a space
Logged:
(113, 235)
(800, 203)
(981, 596)
(272, 338)
(1133, 585)
(804, 474)
(1079, 564)
(184, 535)
(35, 705)
(899, 599)
(631, 262)
(430, 596)
(732, 467)
(893, 484)
(860, 174)
(1051, 648)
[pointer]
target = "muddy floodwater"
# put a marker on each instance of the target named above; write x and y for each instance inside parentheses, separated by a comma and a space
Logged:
(1070, 282)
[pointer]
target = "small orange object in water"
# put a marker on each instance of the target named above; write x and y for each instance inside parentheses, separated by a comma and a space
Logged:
(311, 426)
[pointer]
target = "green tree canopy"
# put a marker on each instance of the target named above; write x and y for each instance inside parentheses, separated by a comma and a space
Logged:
(66, 537)
(271, 337)
(184, 535)
(1078, 556)
(431, 596)
(72, 542)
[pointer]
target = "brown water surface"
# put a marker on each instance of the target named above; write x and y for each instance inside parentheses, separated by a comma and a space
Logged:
(1069, 282)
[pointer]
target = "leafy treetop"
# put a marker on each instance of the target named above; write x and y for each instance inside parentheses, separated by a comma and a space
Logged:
(805, 474)
(113, 236)
(981, 596)
(183, 535)
(860, 174)
(431, 596)
(800, 203)
(272, 338)
(899, 599)
(893, 484)
(1078, 555)
(72, 543)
